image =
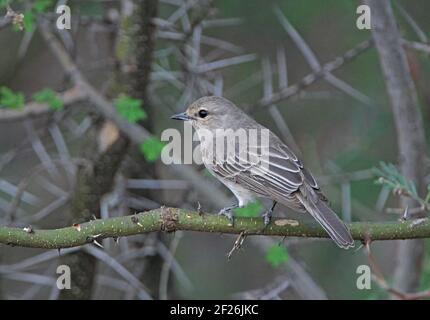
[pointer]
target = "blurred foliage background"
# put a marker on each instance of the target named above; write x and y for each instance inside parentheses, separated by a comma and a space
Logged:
(338, 132)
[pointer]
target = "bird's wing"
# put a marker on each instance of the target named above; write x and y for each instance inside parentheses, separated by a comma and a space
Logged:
(280, 176)
(277, 172)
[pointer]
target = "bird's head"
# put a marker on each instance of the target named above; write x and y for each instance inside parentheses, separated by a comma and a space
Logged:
(211, 113)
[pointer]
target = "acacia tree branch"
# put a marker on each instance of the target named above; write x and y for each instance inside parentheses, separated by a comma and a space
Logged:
(173, 219)
(312, 77)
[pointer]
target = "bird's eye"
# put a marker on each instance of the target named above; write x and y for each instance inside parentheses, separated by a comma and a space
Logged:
(203, 113)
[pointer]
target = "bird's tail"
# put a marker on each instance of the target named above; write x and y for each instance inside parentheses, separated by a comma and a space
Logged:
(327, 218)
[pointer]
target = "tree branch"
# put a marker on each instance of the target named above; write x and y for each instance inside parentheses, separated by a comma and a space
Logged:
(409, 126)
(37, 109)
(311, 78)
(173, 219)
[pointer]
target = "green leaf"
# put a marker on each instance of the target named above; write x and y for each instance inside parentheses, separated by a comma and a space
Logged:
(11, 99)
(41, 5)
(277, 255)
(252, 209)
(49, 97)
(390, 176)
(28, 20)
(4, 3)
(130, 108)
(151, 148)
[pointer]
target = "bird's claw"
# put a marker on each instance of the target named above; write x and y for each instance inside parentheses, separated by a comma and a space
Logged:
(228, 212)
(267, 216)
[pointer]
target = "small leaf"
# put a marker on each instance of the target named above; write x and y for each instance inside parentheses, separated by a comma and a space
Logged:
(28, 20)
(390, 176)
(130, 108)
(11, 99)
(151, 148)
(49, 97)
(277, 255)
(252, 209)
(4, 3)
(41, 5)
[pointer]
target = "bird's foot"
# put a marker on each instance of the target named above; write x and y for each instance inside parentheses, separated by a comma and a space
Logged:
(228, 212)
(267, 215)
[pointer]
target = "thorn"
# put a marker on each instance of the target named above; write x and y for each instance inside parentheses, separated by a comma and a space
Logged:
(97, 244)
(367, 241)
(237, 244)
(405, 214)
(359, 247)
(282, 240)
(28, 229)
(59, 252)
(135, 220)
(199, 209)
(116, 240)
(93, 239)
(94, 217)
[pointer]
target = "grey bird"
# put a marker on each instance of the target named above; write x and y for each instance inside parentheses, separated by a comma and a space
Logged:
(279, 175)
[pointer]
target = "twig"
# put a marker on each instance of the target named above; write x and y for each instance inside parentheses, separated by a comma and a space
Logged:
(414, 25)
(314, 76)
(120, 269)
(35, 109)
(167, 266)
(419, 46)
(137, 133)
(314, 63)
(237, 244)
(379, 278)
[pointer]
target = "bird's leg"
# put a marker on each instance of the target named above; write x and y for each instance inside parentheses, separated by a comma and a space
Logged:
(267, 216)
(228, 212)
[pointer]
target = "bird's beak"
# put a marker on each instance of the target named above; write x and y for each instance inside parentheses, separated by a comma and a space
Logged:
(181, 116)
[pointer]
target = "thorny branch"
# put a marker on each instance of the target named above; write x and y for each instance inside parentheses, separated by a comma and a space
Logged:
(311, 78)
(174, 219)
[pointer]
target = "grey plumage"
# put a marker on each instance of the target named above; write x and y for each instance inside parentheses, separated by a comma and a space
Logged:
(279, 175)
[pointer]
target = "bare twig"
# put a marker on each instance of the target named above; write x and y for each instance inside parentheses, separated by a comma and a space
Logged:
(237, 244)
(167, 266)
(314, 63)
(423, 47)
(379, 278)
(311, 78)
